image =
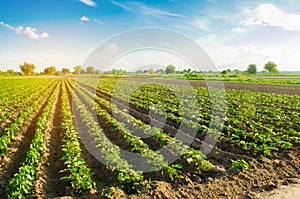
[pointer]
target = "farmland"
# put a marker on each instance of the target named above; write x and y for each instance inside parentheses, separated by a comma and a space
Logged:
(45, 154)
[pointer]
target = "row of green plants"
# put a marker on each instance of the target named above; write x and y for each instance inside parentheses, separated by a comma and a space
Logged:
(23, 116)
(283, 101)
(245, 128)
(9, 86)
(20, 99)
(12, 88)
(177, 147)
(130, 180)
(77, 172)
(20, 184)
(154, 159)
(262, 127)
(16, 94)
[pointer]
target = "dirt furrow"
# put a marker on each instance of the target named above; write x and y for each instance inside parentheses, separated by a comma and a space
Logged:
(102, 176)
(48, 183)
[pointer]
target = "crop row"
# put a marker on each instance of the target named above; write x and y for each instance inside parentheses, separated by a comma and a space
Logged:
(20, 184)
(129, 179)
(262, 129)
(76, 171)
(10, 131)
(9, 86)
(154, 159)
(20, 99)
(174, 145)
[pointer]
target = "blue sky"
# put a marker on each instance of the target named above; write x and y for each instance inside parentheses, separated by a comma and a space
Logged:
(234, 33)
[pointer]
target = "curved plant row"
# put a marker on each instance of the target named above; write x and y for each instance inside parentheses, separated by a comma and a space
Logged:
(154, 159)
(76, 172)
(251, 127)
(176, 146)
(130, 180)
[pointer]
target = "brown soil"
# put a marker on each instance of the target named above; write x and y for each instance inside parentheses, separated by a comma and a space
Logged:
(268, 88)
(265, 176)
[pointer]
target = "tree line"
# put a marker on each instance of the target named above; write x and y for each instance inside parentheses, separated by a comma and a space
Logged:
(28, 69)
(270, 67)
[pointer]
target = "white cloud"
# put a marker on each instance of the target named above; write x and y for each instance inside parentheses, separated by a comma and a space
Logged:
(89, 3)
(252, 22)
(201, 23)
(154, 11)
(239, 56)
(98, 21)
(87, 19)
(212, 37)
(238, 29)
(269, 14)
(84, 18)
(112, 48)
(121, 5)
(143, 9)
(29, 31)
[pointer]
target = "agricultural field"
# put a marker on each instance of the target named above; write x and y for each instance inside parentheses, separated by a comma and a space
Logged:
(71, 136)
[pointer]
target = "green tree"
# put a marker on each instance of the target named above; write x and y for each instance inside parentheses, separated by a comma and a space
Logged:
(65, 71)
(236, 71)
(90, 70)
(27, 68)
(50, 70)
(170, 69)
(97, 71)
(78, 69)
(252, 69)
(271, 67)
(160, 71)
(226, 72)
(151, 71)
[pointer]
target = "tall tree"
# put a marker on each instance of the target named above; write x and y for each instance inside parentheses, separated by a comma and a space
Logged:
(50, 70)
(78, 69)
(97, 71)
(65, 71)
(151, 71)
(27, 68)
(170, 69)
(90, 70)
(271, 67)
(252, 69)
